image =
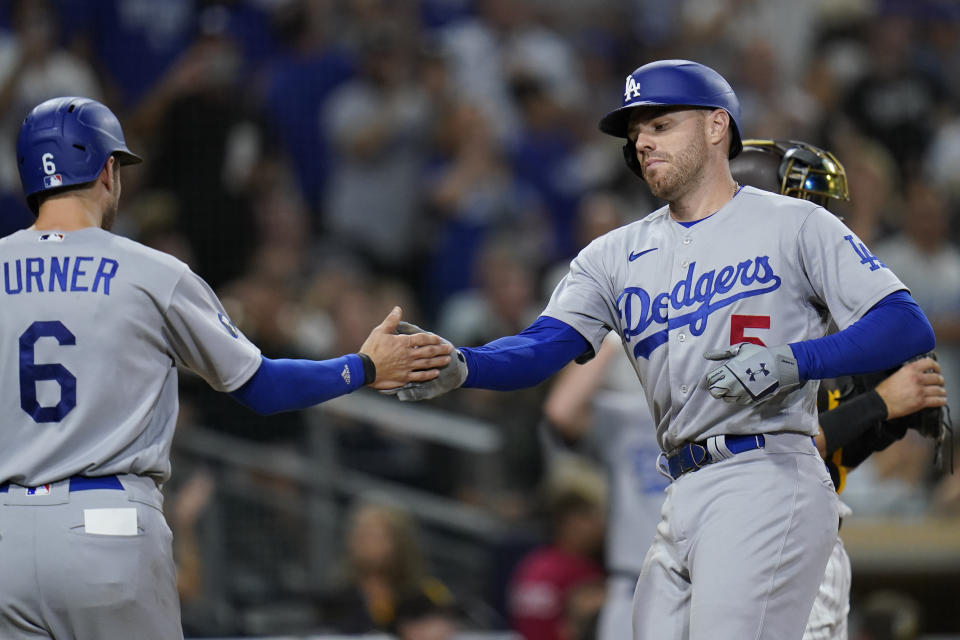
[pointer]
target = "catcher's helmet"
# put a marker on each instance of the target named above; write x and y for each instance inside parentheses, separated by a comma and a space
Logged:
(65, 142)
(672, 83)
(791, 168)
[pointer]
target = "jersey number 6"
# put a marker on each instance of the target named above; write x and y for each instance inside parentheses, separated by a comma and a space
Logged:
(31, 373)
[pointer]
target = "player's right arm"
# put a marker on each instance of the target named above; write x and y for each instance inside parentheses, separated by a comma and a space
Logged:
(204, 339)
(386, 360)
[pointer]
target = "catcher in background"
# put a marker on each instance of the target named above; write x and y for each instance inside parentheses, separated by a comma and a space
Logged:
(859, 414)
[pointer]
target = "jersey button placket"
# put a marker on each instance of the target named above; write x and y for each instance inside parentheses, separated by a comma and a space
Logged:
(679, 337)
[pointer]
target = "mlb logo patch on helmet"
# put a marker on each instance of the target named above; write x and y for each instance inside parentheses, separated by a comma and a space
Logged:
(49, 182)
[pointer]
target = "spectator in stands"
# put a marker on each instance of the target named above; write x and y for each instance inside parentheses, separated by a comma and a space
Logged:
(473, 196)
(383, 567)
(582, 610)
(209, 143)
(134, 42)
(33, 67)
(377, 122)
(543, 155)
(292, 103)
(928, 262)
(420, 618)
(189, 501)
(543, 580)
(896, 102)
(506, 297)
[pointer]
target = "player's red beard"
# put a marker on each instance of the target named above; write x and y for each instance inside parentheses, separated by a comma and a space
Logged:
(678, 169)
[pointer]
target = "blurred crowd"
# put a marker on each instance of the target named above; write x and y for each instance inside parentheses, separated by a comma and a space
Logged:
(319, 161)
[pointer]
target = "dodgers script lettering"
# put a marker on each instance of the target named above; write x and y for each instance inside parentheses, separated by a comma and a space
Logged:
(699, 297)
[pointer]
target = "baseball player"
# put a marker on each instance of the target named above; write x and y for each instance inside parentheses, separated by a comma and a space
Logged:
(877, 409)
(722, 299)
(92, 331)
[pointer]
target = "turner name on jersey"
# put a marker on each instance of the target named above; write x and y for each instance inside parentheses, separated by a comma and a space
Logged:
(59, 274)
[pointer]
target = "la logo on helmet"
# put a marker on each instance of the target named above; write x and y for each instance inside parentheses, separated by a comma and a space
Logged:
(632, 89)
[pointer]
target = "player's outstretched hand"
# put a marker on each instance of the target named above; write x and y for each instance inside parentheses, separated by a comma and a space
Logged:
(752, 374)
(451, 376)
(402, 358)
(914, 386)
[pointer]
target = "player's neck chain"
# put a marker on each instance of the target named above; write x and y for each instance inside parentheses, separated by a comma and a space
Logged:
(736, 190)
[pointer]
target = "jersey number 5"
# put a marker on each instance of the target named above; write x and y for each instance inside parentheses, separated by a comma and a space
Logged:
(31, 373)
(738, 325)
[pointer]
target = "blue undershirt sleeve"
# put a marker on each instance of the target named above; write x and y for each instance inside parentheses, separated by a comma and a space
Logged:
(291, 385)
(526, 359)
(888, 334)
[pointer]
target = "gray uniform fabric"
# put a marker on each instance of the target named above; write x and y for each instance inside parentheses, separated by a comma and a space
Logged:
(111, 318)
(673, 293)
(91, 330)
(60, 580)
(755, 529)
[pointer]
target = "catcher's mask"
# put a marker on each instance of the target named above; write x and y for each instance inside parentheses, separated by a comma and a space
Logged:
(791, 168)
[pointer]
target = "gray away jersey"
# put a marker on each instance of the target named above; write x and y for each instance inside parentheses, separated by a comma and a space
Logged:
(765, 268)
(91, 328)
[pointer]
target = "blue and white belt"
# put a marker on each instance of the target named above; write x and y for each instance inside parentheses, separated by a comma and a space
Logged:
(81, 483)
(696, 455)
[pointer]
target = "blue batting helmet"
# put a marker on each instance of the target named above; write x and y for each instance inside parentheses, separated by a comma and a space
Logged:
(675, 83)
(65, 142)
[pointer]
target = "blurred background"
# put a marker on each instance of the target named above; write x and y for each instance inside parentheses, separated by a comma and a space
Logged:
(319, 161)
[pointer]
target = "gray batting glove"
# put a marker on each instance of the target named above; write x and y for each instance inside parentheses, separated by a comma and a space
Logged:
(408, 328)
(451, 376)
(752, 374)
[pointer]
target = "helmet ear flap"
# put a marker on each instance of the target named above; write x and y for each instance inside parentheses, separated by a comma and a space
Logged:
(630, 156)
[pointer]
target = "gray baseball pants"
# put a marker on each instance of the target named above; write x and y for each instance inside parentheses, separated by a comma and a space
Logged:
(741, 547)
(87, 564)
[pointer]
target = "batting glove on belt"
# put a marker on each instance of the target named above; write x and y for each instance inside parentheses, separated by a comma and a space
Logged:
(752, 374)
(451, 376)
